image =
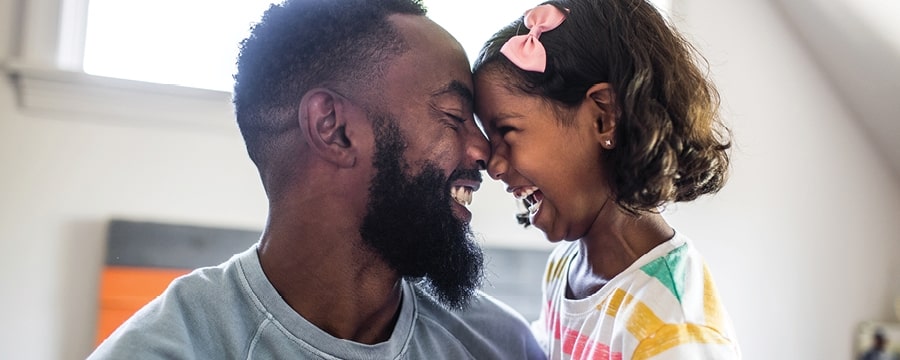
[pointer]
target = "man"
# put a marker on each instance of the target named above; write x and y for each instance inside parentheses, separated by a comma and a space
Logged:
(358, 115)
(879, 349)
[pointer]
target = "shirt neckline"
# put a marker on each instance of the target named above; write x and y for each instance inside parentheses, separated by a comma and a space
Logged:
(300, 331)
(575, 307)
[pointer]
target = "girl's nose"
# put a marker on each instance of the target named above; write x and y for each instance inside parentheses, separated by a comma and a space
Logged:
(497, 165)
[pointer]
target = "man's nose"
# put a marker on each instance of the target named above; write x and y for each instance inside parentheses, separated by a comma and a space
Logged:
(478, 151)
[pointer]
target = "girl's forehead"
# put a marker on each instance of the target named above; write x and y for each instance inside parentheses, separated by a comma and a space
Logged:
(496, 84)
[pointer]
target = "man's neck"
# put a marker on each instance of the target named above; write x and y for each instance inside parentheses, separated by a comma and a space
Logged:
(333, 281)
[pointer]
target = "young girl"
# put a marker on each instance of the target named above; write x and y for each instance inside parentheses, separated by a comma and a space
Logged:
(598, 117)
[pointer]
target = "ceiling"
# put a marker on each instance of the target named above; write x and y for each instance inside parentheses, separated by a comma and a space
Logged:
(857, 44)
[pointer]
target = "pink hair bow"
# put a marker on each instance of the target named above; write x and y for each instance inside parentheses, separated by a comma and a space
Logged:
(526, 51)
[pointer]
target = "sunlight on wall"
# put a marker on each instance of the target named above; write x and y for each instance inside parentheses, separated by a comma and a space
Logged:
(168, 41)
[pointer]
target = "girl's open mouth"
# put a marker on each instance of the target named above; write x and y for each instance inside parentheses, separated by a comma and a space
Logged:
(531, 197)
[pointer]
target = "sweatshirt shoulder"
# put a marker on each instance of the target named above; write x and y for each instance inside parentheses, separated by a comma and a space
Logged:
(486, 326)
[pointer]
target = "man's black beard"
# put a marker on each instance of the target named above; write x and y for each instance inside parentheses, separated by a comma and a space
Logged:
(410, 222)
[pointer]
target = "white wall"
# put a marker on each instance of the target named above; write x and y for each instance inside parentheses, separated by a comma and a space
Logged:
(63, 179)
(803, 241)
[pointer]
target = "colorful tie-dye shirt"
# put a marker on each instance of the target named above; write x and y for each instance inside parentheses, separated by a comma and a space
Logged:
(664, 306)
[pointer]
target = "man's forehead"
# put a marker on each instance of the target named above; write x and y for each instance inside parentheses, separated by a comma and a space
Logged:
(433, 65)
(415, 28)
(458, 89)
(422, 35)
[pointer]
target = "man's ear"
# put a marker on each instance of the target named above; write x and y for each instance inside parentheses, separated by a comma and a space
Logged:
(602, 96)
(323, 118)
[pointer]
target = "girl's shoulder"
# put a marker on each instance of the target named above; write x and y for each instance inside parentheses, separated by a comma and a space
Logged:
(564, 250)
(559, 259)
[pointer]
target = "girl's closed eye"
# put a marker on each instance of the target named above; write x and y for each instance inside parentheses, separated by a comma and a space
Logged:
(503, 130)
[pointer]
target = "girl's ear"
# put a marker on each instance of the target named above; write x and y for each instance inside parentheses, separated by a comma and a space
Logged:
(601, 95)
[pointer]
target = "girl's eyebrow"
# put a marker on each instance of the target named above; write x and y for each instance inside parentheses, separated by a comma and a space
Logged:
(505, 116)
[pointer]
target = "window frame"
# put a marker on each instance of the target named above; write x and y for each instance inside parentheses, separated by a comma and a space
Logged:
(46, 70)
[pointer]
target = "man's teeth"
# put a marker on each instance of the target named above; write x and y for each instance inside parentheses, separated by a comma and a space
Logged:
(462, 195)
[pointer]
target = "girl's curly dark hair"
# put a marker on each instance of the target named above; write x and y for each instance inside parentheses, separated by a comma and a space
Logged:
(671, 145)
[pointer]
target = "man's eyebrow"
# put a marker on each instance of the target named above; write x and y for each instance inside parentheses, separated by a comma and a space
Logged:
(458, 89)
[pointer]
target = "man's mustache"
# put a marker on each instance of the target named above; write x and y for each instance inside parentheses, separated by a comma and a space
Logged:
(465, 174)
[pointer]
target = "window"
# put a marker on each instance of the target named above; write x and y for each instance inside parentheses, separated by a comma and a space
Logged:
(128, 39)
(171, 59)
(168, 41)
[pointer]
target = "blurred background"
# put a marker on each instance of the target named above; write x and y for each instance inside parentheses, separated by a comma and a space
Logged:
(98, 123)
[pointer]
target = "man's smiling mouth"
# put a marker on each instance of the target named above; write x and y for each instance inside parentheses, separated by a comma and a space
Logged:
(462, 184)
(462, 194)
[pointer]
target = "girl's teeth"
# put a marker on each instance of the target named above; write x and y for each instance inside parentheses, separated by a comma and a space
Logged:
(524, 192)
(527, 198)
(534, 207)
